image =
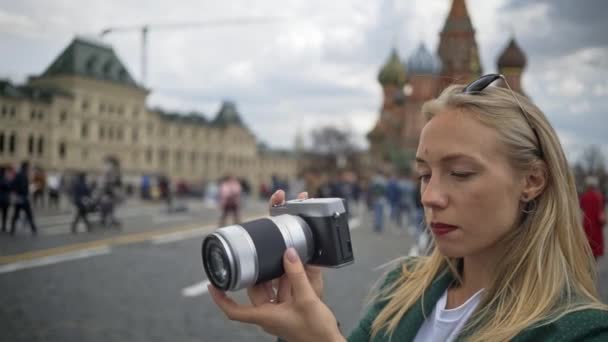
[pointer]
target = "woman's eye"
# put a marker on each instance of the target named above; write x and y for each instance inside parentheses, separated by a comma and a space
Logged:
(424, 177)
(462, 175)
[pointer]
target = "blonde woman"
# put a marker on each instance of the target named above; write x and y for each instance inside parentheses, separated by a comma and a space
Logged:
(510, 260)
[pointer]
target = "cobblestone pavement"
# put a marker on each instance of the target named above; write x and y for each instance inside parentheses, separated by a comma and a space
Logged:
(146, 283)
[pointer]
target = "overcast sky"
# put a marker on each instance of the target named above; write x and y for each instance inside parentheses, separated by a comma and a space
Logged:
(318, 64)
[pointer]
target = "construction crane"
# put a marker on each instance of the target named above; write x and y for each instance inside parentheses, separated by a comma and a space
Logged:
(144, 28)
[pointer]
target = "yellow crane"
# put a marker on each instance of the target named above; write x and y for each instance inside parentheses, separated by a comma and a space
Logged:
(144, 28)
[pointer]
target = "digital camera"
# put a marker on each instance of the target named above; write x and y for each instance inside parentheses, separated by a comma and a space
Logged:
(240, 256)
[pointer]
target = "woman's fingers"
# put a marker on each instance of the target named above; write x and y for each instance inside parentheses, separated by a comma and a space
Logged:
(315, 276)
(303, 195)
(284, 293)
(261, 294)
(277, 198)
(236, 312)
(294, 269)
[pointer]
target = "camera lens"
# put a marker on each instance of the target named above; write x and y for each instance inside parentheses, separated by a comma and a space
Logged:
(240, 256)
(217, 262)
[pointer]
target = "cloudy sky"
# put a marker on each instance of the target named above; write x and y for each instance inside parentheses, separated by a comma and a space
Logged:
(316, 62)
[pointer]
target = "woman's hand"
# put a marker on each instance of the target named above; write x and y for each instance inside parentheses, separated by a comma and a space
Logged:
(296, 314)
(313, 272)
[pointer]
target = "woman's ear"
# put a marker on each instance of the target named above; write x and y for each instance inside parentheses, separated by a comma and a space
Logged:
(535, 182)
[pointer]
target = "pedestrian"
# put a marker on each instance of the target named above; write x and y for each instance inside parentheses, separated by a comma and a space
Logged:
(20, 186)
(393, 195)
(5, 191)
(592, 205)
(110, 193)
(54, 184)
(377, 190)
(81, 197)
(510, 260)
(230, 199)
(164, 186)
(407, 190)
(39, 187)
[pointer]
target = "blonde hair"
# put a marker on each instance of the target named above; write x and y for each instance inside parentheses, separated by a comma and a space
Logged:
(548, 270)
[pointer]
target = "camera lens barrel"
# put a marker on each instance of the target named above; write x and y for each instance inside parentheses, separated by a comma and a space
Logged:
(240, 256)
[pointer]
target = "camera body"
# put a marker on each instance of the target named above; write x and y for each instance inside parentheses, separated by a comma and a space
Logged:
(242, 255)
(328, 220)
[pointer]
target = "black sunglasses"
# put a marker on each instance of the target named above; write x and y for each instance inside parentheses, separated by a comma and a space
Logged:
(483, 82)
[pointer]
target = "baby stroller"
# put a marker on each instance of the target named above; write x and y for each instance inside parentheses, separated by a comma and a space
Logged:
(107, 201)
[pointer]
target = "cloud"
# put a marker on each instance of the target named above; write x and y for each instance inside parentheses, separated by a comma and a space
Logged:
(317, 62)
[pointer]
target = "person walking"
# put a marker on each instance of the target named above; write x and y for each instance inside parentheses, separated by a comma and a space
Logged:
(393, 195)
(592, 205)
(5, 191)
(81, 197)
(230, 199)
(54, 184)
(21, 187)
(39, 187)
(377, 189)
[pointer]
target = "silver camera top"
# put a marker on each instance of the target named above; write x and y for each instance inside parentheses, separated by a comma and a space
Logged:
(312, 207)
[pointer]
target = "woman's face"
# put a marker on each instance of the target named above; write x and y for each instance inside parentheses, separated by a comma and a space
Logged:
(469, 191)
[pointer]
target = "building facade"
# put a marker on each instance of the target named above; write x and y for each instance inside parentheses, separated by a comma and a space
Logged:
(408, 84)
(85, 107)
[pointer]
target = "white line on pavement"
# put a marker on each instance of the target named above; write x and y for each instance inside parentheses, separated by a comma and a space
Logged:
(196, 289)
(53, 259)
(354, 223)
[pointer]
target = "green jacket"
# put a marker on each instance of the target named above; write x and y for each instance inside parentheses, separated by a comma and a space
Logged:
(585, 325)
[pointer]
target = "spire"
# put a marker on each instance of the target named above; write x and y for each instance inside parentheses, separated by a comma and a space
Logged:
(459, 12)
(457, 46)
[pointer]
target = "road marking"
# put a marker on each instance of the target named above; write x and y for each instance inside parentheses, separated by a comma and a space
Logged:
(196, 289)
(354, 223)
(53, 259)
(126, 239)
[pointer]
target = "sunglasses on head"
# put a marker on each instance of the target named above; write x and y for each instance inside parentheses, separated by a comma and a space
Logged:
(483, 82)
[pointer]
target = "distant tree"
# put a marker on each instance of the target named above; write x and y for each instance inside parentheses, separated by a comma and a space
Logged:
(334, 146)
(331, 140)
(593, 161)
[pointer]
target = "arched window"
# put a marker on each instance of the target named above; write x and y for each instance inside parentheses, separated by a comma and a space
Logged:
(62, 150)
(107, 69)
(40, 146)
(91, 64)
(84, 132)
(30, 145)
(12, 142)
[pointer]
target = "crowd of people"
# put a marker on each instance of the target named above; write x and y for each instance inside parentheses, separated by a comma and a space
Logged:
(26, 191)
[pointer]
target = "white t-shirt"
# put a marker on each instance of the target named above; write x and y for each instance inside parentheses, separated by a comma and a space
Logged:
(445, 324)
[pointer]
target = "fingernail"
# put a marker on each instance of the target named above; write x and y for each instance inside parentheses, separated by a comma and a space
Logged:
(292, 255)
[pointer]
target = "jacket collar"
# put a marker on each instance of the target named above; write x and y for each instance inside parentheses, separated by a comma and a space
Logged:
(411, 322)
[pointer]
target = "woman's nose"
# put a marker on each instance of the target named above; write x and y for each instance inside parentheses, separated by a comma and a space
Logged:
(432, 194)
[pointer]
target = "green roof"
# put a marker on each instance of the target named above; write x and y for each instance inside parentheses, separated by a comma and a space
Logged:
(29, 92)
(193, 117)
(89, 58)
(228, 115)
(393, 71)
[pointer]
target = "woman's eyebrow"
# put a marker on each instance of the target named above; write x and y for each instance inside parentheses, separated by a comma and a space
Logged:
(449, 158)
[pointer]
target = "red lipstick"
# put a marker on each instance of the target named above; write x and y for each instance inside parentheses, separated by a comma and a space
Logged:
(439, 228)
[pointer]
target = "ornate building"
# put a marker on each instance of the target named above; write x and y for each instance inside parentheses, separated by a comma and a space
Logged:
(406, 86)
(86, 107)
